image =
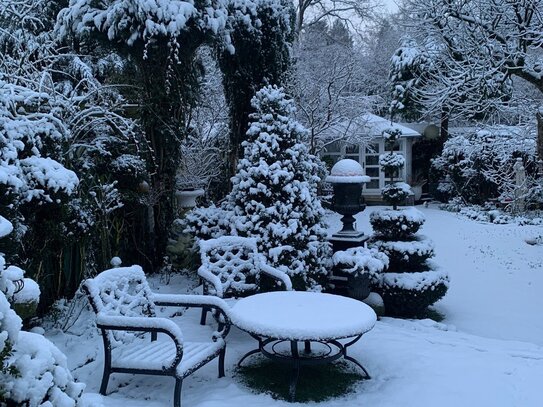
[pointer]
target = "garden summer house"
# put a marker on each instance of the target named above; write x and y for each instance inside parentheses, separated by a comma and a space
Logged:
(365, 144)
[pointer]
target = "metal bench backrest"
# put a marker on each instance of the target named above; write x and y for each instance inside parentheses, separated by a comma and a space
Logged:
(235, 260)
(121, 291)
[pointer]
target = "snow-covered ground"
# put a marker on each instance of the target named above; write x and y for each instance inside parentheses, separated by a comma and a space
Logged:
(487, 352)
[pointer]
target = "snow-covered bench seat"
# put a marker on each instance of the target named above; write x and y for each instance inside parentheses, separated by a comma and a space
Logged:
(232, 267)
(125, 314)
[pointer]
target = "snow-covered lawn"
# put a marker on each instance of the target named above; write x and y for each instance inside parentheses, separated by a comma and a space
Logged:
(487, 352)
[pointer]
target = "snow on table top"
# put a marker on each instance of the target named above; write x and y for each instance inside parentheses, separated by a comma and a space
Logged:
(302, 315)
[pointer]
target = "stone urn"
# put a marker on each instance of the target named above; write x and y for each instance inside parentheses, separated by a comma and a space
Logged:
(187, 198)
(347, 178)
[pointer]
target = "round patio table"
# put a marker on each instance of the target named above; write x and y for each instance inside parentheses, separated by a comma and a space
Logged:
(284, 321)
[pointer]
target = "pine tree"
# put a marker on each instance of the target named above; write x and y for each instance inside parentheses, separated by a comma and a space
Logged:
(406, 67)
(274, 194)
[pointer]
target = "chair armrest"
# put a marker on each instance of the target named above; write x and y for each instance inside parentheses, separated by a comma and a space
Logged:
(141, 324)
(191, 300)
(145, 324)
(212, 279)
(186, 300)
(277, 275)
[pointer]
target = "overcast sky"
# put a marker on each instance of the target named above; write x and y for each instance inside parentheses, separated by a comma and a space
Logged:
(390, 5)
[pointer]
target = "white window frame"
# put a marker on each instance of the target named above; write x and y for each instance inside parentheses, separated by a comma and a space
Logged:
(361, 158)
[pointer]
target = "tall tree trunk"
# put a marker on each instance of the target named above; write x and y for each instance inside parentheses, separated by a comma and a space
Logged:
(444, 126)
(539, 116)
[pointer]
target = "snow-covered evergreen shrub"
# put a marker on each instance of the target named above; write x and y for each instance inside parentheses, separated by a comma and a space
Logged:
(396, 193)
(208, 223)
(405, 255)
(409, 294)
(393, 224)
(33, 372)
(43, 378)
(360, 260)
(274, 195)
(478, 166)
(409, 286)
(391, 163)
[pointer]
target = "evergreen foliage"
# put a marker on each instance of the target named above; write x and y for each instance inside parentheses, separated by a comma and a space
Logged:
(409, 285)
(406, 76)
(274, 196)
(33, 372)
(262, 56)
(391, 163)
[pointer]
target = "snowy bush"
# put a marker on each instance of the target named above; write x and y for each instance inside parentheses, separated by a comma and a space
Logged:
(391, 163)
(42, 377)
(410, 294)
(410, 284)
(405, 255)
(396, 193)
(33, 372)
(396, 224)
(478, 166)
(274, 195)
(208, 223)
(360, 260)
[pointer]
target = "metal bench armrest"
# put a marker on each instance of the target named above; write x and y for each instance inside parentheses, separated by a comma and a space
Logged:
(277, 275)
(197, 301)
(211, 279)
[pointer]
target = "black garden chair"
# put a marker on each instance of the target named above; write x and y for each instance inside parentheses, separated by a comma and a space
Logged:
(125, 314)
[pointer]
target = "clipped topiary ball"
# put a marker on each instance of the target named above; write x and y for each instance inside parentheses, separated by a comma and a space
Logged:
(397, 224)
(404, 256)
(408, 295)
(396, 193)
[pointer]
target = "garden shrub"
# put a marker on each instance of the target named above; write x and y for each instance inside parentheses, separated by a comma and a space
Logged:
(396, 224)
(405, 255)
(409, 295)
(409, 285)
(477, 166)
(33, 371)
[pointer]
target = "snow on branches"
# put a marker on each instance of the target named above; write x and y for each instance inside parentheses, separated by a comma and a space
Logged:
(274, 194)
(130, 21)
(26, 128)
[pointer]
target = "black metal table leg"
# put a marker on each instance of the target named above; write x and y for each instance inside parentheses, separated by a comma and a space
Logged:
(295, 370)
(261, 344)
(252, 352)
(353, 360)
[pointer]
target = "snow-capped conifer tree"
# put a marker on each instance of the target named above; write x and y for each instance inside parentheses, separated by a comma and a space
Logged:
(274, 194)
(406, 66)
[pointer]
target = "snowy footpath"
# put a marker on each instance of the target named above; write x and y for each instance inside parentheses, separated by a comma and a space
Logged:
(487, 352)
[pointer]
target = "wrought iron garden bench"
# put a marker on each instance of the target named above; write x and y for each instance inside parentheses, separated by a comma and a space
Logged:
(125, 314)
(232, 267)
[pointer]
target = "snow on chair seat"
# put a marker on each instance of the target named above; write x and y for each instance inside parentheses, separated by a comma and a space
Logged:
(125, 313)
(160, 355)
(232, 267)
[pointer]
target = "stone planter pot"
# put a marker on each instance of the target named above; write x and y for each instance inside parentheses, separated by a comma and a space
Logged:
(187, 198)
(358, 286)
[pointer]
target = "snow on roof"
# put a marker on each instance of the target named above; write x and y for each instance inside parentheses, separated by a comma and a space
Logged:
(369, 124)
